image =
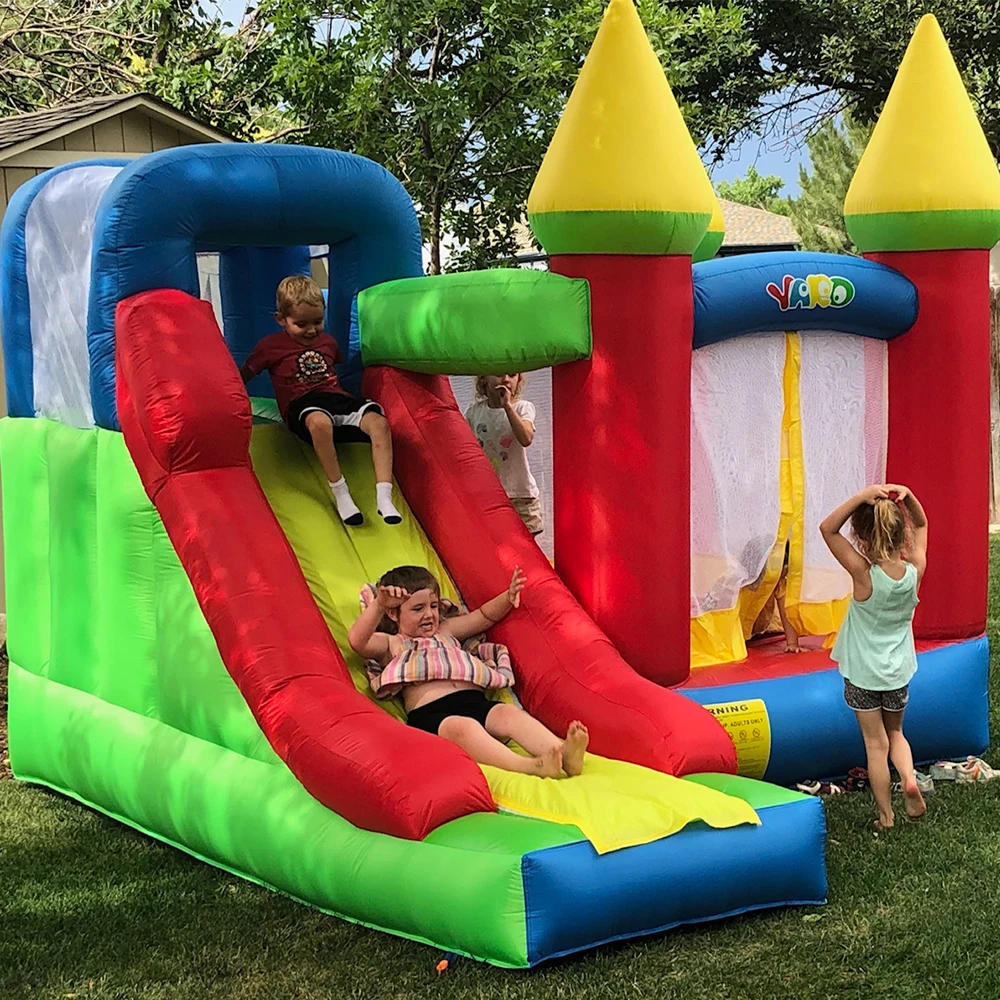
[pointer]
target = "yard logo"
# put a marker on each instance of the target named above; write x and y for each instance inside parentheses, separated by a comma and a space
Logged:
(811, 291)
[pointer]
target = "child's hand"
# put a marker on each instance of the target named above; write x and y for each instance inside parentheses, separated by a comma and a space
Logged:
(901, 491)
(390, 598)
(517, 582)
(873, 493)
(503, 394)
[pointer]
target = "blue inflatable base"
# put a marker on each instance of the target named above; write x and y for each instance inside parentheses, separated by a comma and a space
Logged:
(815, 735)
(576, 899)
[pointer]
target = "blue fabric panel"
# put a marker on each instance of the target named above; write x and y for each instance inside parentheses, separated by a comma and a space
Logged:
(575, 898)
(15, 311)
(773, 291)
(248, 280)
(815, 735)
(345, 263)
(165, 205)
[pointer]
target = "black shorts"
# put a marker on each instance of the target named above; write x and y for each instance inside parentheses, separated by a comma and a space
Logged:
(343, 411)
(467, 704)
(863, 700)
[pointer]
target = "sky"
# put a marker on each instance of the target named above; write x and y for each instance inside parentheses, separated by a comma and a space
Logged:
(771, 156)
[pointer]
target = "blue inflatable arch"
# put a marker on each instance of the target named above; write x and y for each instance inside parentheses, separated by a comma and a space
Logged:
(798, 290)
(164, 208)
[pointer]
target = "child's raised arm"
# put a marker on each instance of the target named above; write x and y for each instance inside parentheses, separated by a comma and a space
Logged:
(916, 553)
(363, 636)
(463, 627)
(524, 430)
(844, 552)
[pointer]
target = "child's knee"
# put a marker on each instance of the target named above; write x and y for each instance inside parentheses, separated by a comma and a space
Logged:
(375, 425)
(318, 424)
(458, 728)
(877, 743)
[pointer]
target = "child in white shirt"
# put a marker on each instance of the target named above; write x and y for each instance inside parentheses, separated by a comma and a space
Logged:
(504, 425)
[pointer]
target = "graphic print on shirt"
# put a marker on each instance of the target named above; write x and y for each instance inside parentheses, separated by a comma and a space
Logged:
(497, 459)
(312, 367)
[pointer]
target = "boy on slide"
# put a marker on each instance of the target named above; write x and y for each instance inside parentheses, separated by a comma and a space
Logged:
(302, 359)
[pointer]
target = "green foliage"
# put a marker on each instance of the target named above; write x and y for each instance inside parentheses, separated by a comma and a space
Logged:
(459, 99)
(848, 51)
(56, 52)
(818, 212)
(755, 190)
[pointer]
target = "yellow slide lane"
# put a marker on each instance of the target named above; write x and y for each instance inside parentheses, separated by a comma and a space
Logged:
(615, 804)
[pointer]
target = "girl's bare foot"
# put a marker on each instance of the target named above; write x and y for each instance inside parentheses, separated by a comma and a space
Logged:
(548, 764)
(915, 805)
(885, 823)
(574, 747)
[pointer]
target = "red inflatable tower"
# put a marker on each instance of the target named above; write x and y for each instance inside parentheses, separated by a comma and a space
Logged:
(926, 201)
(623, 200)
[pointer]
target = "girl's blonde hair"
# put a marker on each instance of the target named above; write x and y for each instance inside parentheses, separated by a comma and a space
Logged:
(481, 392)
(880, 529)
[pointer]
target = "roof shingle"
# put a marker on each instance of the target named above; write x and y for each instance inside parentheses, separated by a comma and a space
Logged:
(24, 128)
(747, 226)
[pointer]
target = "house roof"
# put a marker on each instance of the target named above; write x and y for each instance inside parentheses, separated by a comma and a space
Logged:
(752, 227)
(22, 132)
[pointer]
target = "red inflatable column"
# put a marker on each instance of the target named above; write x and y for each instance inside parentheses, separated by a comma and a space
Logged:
(939, 431)
(622, 199)
(621, 459)
(926, 200)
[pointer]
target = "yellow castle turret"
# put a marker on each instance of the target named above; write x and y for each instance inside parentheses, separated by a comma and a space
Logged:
(928, 180)
(622, 174)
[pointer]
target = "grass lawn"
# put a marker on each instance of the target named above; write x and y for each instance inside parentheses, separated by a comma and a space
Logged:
(90, 909)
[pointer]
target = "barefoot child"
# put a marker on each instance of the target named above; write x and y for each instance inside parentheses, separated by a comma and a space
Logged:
(875, 648)
(442, 684)
(504, 425)
(301, 359)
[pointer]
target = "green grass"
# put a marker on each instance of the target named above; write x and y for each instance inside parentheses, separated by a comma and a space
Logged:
(93, 910)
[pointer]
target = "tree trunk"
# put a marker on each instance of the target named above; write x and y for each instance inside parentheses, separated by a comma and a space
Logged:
(435, 235)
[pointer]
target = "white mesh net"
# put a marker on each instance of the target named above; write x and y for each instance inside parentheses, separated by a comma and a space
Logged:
(736, 409)
(58, 233)
(844, 407)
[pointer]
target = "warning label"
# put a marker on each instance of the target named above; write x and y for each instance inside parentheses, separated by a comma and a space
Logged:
(750, 730)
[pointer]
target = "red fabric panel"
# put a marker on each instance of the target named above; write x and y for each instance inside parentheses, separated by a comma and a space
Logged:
(939, 431)
(347, 752)
(566, 668)
(621, 444)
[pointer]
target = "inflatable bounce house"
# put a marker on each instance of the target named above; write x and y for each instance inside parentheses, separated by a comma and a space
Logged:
(180, 588)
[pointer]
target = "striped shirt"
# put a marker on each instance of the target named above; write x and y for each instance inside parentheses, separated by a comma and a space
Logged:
(442, 657)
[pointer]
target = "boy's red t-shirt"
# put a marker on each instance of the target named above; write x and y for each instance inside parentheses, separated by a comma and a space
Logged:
(296, 370)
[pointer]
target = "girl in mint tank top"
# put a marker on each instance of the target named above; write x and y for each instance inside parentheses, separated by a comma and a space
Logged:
(874, 648)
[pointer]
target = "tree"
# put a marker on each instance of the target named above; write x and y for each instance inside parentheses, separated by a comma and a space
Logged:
(459, 99)
(818, 212)
(59, 51)
(842, 55)
(755, 190)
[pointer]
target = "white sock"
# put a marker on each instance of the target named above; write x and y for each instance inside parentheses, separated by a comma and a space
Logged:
(346, 507)
(383, 494)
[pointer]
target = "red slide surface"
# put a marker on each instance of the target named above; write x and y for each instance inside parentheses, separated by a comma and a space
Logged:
(186, 420)
(566, 666)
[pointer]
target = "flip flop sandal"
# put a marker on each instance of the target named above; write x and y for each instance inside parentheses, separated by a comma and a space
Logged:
(809, 787)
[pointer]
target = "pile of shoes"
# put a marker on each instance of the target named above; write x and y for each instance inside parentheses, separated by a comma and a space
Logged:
(963, 772)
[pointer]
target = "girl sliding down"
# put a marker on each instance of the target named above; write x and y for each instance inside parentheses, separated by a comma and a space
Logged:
(421, 654)
(875, 648)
